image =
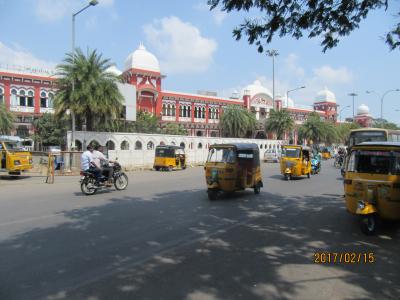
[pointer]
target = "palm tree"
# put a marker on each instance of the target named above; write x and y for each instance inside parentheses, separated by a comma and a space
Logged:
(279, 122)
(6, 120)
(237, 121)
(95, 96)
(317, 130)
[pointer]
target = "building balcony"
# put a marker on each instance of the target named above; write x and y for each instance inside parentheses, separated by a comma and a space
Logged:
(185, 119)
(168, 118)
(213, 121)
(46, 110)
(199, 120)
(25, 109)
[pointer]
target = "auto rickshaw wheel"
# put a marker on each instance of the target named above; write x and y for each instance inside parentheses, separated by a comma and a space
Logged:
(287, 177)
(257, 189)
(308, 175)
(157, 168)
(169, 168)
(212, 194)
(368, 224)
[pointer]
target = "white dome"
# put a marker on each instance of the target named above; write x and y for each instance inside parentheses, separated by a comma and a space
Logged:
(256, 88)
(142, 59)
(114, 70)
(363, 110)
(284, 101)
(325, 96)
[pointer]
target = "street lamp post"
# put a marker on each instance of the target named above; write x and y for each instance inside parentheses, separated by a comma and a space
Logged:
(91, 3)
(287, 94)
(353, 95)
(383, 97)
(272, 53)
(340, 112)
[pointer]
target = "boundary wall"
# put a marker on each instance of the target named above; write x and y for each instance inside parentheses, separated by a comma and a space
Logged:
(136, 150)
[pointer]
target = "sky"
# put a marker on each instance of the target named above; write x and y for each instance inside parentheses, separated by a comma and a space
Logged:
(197, 51)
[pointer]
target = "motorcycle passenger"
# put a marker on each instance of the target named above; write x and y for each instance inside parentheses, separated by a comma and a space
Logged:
(102, 163)
(87, 164)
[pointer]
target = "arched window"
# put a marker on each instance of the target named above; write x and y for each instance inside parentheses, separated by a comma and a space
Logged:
(182, 145)
(125, 145)
(261, 146)
(14, 98)
(203, 113)
(173, 112)
(162, 143)
(150, 145)
(189, 111)
(30, 99)
(138, 145)
(180, 111)
(43, 99)
(22, 98)
(164, 109)
(78, 145)
(210, 116)
(195, 112)
(168, 109)
(199, 146)
(1, 96)
(110, 145)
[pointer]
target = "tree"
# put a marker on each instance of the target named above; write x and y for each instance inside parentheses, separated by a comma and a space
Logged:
(146, 123)
(316, 130)
(95, 97)
(175, 129)
(385, 124)
(344, 129)
(6, 120)
(237, 121)
(49, 130)
(279, 122)
(329, 20)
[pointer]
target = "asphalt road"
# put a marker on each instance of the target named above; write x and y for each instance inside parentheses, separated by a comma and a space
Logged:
(163, 239)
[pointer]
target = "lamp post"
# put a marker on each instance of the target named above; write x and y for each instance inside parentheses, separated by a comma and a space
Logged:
(272, 53)
(353, 95)
(287, 94)
(91, 3)
(383, 97)
(340, 112)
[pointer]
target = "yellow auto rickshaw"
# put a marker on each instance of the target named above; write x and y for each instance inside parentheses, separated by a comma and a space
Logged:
(326, 153)
(295, 161)
(169, 157)
(232, 167)
(372, 183)
(14, 159)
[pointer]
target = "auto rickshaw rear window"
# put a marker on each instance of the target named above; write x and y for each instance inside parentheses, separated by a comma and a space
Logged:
(377, 162)
(165, 152)
(223, 155)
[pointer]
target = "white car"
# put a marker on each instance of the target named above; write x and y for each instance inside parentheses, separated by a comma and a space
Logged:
(272, 155)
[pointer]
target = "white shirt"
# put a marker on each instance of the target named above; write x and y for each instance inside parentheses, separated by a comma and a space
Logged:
(98, 158)
(86, 159)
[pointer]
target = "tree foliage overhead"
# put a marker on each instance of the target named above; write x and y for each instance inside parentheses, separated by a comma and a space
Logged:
(327, 19)
(318, 131)
(237, 121)
(385, 124)
(279, 122)
(174, 129)
(146, 123)
(86, 88)
(6, 120)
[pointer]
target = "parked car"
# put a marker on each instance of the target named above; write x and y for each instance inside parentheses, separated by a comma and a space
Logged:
(272, 155)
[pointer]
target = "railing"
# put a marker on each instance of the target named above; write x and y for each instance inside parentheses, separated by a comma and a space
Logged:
(46, 110)
(22, 108)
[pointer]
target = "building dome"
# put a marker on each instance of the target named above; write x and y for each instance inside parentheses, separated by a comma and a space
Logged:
(284, 101)
(256, 88)
(142, 59)
(325, 96)
(114, 70)
(363, 110)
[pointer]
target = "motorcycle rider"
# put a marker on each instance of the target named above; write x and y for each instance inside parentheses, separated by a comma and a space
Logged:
(87, 164)
(102, 163)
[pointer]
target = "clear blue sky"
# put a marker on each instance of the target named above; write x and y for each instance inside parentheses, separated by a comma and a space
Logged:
(197, 52)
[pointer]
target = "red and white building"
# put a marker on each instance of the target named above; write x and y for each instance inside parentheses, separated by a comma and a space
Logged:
(29, 93)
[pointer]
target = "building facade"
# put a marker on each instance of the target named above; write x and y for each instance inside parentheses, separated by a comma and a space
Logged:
(29, 93)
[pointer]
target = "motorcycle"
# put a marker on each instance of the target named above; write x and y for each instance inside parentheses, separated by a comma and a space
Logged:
(339, 159)
(88, 180)
(315, 166)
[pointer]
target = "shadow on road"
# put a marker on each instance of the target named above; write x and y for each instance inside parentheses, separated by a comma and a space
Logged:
(179, 245)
